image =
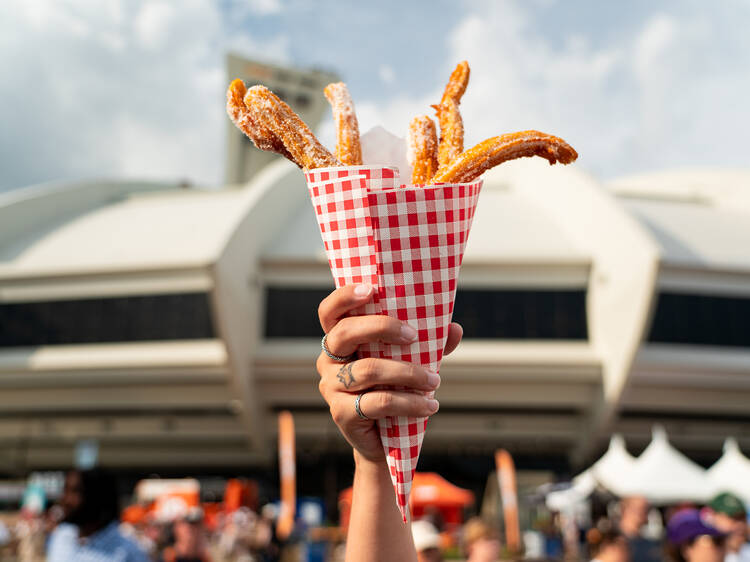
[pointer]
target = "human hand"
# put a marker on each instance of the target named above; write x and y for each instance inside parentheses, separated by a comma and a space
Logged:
(341, 383)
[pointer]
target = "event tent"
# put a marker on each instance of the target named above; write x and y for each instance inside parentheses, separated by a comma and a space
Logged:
(610, 472)
(664, 475)
(731, 473)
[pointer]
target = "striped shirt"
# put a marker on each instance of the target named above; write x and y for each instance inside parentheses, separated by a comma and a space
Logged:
(106, 545)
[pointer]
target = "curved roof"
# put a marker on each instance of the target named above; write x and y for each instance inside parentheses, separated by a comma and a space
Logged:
(698, 218)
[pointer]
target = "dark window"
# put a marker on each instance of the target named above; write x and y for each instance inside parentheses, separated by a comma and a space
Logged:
(522, 314)
(491, 313)
(121, 319)
(701, 320)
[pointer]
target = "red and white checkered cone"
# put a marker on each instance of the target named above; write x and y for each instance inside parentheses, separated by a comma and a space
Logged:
(408, 243)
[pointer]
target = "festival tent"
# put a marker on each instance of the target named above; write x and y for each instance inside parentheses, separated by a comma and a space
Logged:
(610, 472)
(731, 473)
(664, 475)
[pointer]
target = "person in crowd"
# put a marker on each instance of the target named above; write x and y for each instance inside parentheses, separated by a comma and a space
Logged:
(691, 539)
(481, 541)
(728, 514)
(376, 529)
(633, 516)
(90, 528)
(607, 545)
(189, 539)
(426, 541)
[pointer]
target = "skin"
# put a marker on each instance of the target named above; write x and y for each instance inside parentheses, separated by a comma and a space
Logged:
(376, 529)
(734, 527)
(72, 501)
(703, 549)
(634, 515)
(614, 552)
(484, 550)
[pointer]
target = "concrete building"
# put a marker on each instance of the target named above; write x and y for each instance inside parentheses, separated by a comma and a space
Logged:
(170, 325)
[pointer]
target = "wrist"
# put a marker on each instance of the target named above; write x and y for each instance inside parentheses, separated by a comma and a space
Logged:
(363, 463)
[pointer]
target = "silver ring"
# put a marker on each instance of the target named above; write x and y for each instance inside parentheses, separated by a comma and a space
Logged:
(357, 408)
(337, 358)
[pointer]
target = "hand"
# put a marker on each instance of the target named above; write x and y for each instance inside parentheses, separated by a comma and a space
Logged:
(341, 383)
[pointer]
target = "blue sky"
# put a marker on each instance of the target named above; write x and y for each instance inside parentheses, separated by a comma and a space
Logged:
(134, 89)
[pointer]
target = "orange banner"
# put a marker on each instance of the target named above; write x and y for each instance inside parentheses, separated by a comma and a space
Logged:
(506, 474)
(287, 474)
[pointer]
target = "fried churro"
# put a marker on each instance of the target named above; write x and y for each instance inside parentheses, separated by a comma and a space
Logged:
(242, 117)
(422, 149)
(451, 142)
(269, 110)
(348, 149)
(496, 150)
(457, 83)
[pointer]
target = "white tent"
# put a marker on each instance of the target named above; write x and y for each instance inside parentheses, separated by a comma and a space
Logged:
(664, 475)
(731, 473)
(611, 472)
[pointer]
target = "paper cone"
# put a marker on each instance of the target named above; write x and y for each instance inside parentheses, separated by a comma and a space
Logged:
(408, 243)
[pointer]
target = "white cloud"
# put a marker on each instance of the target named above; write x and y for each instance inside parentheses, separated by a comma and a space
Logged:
(151, 23)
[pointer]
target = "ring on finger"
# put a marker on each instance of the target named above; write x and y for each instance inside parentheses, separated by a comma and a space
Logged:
(357, 406)
(337, 358)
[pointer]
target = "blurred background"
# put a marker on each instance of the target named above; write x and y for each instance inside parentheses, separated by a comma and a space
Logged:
(159, 276)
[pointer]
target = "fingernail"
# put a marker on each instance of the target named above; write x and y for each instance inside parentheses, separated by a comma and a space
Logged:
(433, 379)
(408, 333)
(433, 405)
(362, 290)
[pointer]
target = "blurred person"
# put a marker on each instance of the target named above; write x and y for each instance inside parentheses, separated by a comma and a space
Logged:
(376, 528)
(481, 541)
(691, 539)
(90, 531)
(607, 545)
(189, 539)
(426, 541)
(633, 517)
(728, 514)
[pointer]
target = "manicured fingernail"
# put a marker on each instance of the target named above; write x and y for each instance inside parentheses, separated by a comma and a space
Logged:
(433, 379)
(408, 333)
(362, 290)
(433, 405)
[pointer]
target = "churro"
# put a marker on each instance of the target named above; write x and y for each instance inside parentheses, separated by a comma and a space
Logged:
(451, 142)
(496, 150)
(422, 149)
(268, 109)
(348, 149)
(457, 83)
(242, 117)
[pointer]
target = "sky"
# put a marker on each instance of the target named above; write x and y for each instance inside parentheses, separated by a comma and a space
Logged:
(135, 88)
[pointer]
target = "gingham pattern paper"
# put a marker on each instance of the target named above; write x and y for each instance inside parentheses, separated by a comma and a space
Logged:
(408, 242)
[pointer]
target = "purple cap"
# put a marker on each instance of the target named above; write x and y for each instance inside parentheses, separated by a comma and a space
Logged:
(687, 524)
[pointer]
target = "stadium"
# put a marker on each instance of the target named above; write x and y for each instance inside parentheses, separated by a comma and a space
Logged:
(170, 324)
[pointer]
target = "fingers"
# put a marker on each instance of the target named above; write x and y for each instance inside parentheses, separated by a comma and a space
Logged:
(455, 333)
(367, 373)
(379, 404)
(349, 333)
(340, 302)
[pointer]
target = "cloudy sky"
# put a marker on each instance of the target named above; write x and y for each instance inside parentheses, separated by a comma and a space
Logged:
(134, 89)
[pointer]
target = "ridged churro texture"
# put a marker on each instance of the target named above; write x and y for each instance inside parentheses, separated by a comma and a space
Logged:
(269, 110)
(348, 149)
(496, 150)
(457, 83)
(451, 142)
(241, 116)
(422, 149)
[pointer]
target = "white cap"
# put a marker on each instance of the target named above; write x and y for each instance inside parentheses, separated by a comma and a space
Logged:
(425, 535)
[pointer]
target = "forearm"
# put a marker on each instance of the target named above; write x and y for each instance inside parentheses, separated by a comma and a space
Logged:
(377, 531)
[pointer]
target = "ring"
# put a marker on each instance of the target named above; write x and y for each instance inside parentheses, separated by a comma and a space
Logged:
(357, 408)
(337, 358)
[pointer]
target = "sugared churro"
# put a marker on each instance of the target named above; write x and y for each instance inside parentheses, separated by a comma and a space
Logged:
(241, 115)
(457, 83)
(496, 150)
(451, 131)
(348, 149)
(269, 110)
(422, 149)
